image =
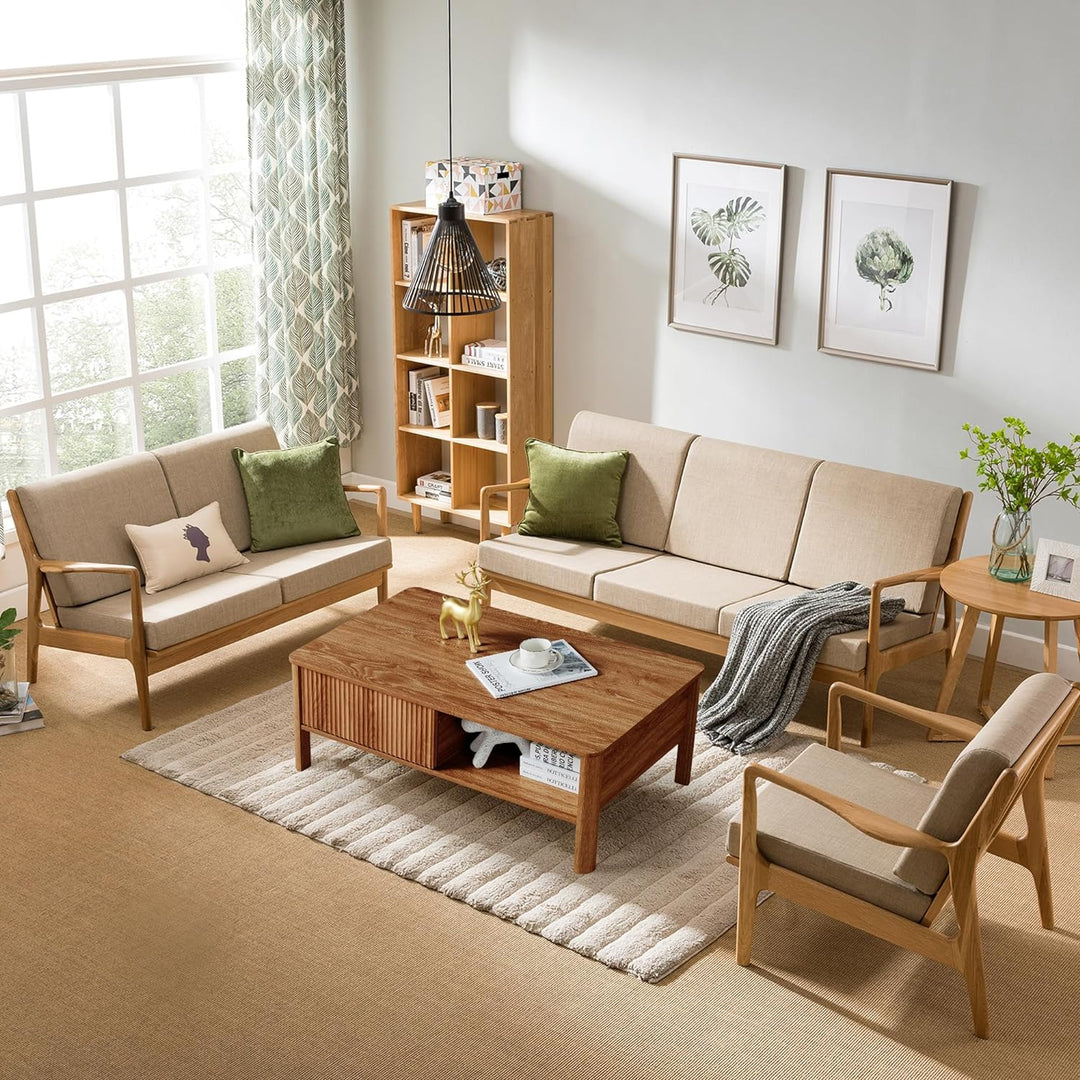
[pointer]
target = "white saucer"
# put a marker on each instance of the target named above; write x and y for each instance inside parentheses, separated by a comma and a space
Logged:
(553, 663)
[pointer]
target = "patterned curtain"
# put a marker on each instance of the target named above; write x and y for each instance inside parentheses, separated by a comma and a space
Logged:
(305, 330)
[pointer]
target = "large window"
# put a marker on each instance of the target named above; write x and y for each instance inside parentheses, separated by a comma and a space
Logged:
(125, 261)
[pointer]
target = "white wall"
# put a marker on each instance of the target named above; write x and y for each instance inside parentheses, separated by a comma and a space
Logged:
(595, 98)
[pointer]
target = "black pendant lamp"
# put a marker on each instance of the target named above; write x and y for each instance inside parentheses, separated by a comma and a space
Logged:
(453, 279)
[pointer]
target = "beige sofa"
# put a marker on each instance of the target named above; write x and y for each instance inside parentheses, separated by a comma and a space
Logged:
(710, 527)
(71, 530)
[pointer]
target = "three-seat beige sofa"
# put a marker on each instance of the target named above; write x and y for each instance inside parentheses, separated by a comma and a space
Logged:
(71, 530)
(710, 527)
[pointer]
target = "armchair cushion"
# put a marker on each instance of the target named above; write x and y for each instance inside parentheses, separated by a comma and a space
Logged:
(804, 837)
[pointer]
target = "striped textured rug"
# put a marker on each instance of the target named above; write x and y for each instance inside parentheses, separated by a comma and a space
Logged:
(661, 890)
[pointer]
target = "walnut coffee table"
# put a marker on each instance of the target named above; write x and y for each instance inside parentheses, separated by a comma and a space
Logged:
(387, 683)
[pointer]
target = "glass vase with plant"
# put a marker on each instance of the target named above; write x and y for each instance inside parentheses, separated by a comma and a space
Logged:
(9, 683)
(1021, 476)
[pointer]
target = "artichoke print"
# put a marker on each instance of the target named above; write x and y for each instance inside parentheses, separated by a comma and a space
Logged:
(718, 231)
(884, 260)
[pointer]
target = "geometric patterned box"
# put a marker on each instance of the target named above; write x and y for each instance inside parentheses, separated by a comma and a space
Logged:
(481, 185)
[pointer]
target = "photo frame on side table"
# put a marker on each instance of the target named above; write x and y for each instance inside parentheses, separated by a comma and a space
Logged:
(1057, 569)
(727, 225)
(883, 268)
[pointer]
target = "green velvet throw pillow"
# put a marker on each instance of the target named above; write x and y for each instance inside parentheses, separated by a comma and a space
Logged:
(573, 494)
(295, 496)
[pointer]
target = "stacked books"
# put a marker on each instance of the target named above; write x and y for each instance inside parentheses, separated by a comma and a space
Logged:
(24, 715)
(419, 410)
(490, 354)
(550, 766)
(415, 235)
(434, 486)
(437, 394)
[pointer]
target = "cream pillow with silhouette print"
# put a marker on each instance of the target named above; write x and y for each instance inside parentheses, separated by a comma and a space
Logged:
(184, 548)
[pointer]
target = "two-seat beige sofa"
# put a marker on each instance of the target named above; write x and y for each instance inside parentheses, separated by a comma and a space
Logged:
(71, 530)
(710, 527)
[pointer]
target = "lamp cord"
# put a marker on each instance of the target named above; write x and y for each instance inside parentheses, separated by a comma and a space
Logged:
(450, 95)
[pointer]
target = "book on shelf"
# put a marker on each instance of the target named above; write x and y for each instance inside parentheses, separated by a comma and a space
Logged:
(548, 774)
(435, 481)
(437, 393)
(441, 497)
(502, 679)
(415, 235)
(557, 759)
(418, 407)
(29, 716)
(488, 363)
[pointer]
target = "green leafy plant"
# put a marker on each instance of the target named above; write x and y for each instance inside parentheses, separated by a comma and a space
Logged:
(7, 634)
(723, 227)
(883, 259)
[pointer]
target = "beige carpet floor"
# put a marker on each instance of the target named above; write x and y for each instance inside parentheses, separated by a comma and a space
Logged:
(151, 932)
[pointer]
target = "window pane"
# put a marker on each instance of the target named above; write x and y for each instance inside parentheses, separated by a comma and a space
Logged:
(72, 136)
(79, 241)
(153, 144)
(238, 390)
(12, 180)
(16, 282)
(170, 321)
(87, 341)
(235, 308)
(20, 373)
(165, 226)
(226, 117)
(230, 216)
(22, 448)
(176, 407)
(93, 429)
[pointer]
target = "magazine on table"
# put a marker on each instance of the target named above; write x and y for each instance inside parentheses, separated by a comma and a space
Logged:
(503, 679)
(29, 717)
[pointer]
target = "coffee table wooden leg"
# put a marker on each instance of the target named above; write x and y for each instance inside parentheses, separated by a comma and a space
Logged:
(989, 663)
(684, 760)
(961, 644)
(588, 817)
(303, 738)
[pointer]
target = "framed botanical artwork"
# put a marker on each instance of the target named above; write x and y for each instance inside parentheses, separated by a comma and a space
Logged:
(883, 273)
(1057, 569)
(727, 223)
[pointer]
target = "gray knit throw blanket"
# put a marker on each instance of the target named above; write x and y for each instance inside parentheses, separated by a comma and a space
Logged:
(774, 647)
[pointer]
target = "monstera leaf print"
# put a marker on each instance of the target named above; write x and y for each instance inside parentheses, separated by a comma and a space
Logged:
(743, 215)
(730, 267)
(718, 231)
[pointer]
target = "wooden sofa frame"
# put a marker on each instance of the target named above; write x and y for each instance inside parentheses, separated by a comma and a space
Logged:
(962, 949)
(146, 662)
(878, 660)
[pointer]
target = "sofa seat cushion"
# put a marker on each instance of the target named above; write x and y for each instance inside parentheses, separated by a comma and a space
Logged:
(678, 591)
(802, 836)
(309, 568)
(568, 566)
(180, 613)
(847, 651)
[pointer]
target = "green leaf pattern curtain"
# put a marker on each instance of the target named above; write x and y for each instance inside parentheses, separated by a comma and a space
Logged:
(305, 329)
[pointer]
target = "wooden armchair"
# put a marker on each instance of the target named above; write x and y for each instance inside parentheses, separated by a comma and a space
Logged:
(883, 853)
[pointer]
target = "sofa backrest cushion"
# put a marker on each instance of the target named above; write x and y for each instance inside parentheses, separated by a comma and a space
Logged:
(652, 473)
(740, 506)
(862, 525)
(201, 471)
(1004, 737)
(80, 516)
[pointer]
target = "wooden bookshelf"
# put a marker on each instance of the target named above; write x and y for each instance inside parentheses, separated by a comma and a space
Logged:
(524, 392)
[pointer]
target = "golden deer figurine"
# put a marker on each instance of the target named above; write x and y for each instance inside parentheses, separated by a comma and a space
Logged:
(433, 341)
(466, 614)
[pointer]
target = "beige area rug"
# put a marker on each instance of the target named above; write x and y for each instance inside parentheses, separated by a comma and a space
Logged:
(661, 890)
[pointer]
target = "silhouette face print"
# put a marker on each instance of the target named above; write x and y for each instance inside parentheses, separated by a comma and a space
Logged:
(198, 540)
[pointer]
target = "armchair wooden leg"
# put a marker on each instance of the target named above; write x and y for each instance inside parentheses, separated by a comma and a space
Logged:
(33, 625)
(1034, 849)
(748, 894)
(380, 591)
(868, 713)
(969, 949)
(142, 687)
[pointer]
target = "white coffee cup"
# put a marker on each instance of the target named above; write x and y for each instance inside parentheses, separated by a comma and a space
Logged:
(534, 652)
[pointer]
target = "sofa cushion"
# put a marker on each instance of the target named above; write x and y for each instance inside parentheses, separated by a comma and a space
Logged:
(80, 516)
(740, 507)
(652, 474)
(202, 470)
(805, 837)
(573, 494)
(307, 569)
(862, 525)
(1004, 737)
(568, 566)
(677, 590)
(180, 613)
(847, 651)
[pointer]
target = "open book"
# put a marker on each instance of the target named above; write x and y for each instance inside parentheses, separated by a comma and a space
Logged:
(502, 679)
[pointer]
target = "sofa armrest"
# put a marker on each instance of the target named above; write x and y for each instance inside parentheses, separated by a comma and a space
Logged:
(954, 726)
(485, 502)
(61, 566)
(873, 629)
(379, 492)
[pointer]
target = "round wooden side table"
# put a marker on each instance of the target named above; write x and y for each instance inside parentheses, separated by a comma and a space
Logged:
(969, 583)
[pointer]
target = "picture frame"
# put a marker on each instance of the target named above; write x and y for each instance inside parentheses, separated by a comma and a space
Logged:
(727, 229)
(1057, 569)
(884, 262)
